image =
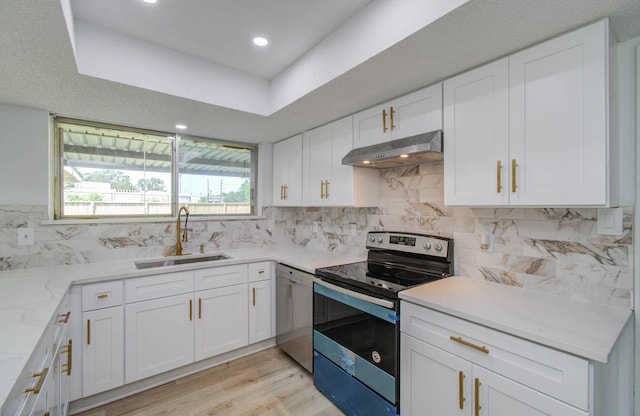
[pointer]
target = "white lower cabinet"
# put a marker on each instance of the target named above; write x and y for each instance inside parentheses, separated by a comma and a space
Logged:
(159, 336)
(450, 366)
(435, 382)
(42, 387)
(102, 337)
(222, 323)
(259, 311)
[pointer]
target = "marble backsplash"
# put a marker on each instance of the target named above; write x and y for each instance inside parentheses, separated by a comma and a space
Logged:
(549, 250)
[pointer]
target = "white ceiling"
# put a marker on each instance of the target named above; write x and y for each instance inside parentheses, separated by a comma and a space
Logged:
(38, 67)
(221, 31)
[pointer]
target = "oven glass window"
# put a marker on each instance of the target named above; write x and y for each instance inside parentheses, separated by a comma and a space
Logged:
(364, 334)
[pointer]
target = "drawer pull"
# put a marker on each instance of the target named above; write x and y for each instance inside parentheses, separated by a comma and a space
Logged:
(469, 344)
(477, 399)
(69, 350)
(461, 389)
(191, 310)
(64, 318)
(261, 271)
(88, 331)
(41, 377)
(199, 308)
(254, 296)
(103, 296)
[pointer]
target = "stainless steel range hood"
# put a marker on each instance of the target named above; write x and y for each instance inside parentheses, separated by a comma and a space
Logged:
(422, 148)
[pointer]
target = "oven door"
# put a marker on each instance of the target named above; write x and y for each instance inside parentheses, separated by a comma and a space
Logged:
(358, 333)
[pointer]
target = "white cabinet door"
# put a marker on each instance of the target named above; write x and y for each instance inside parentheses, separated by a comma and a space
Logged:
(476, 136)
(499, 396)
(371, 126)
(327, 182)
(102, 350)
(222, 320)
(433, 381)
(317, 166)
(558, 120)
(159, 336)
(416, 113)
(287, 172)
(260, 318)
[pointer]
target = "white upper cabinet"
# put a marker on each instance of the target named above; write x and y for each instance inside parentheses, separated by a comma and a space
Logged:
(287, 172)
(476, 136)
(558, 127)
(415, 113)
(532, 129)
(326, 180)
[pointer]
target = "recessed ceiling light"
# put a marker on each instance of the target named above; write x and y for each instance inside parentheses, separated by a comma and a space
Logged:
(366, 162)
(260, 41)
(403, 156)
(181, 126)
(150, 1)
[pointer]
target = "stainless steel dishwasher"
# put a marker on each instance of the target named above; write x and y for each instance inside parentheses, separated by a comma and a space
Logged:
(294, 314)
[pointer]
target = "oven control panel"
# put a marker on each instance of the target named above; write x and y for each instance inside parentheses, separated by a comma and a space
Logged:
(409, 243)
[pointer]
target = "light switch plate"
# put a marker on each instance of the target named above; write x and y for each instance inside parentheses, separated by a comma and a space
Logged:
(26, 236)
(609, 221)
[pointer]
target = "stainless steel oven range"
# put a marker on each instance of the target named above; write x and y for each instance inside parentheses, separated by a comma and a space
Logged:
(356, 319)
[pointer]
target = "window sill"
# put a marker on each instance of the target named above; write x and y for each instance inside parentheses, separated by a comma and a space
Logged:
(72, 221)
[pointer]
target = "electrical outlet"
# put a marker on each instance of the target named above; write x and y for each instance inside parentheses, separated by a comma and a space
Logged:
(26, 237)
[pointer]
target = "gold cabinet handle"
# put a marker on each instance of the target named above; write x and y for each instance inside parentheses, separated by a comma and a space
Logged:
(41, 377)
(281, 198)
(254, 296)
(88, 331)
(469, 344)
(499, 176)
(64, 318)
(191, 309)
(513, 175)
(68, 349)
(102, 296)
(261, 271)
(476, 392)
(461, 389)
(326, 189)
(285, 187)
(321, 189)
(391, 114)
(199, 308)
(384, 120)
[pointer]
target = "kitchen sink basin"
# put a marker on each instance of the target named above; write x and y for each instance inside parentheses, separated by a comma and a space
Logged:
(173, 261)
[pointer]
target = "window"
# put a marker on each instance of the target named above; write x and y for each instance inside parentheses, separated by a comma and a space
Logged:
(107, 171)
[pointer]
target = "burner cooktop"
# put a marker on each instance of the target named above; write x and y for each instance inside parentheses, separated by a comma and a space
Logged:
(396, 261)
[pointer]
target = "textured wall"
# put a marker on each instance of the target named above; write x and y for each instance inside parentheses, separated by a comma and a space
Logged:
(549, 250)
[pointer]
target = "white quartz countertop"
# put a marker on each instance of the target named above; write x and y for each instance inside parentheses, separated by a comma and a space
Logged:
(582, 328)
(30, 297)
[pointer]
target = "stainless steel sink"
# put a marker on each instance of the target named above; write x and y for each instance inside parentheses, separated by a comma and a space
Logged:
(172, 261)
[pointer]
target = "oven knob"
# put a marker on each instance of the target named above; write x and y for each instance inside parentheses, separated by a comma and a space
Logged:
(427, 245)
(438, 247)
(372, 239)
(380, 240)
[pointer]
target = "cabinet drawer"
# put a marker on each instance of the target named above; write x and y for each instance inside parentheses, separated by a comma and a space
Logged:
(101, 295)
(158, 286)
(555, 373)
(220, 276)
(259, 271)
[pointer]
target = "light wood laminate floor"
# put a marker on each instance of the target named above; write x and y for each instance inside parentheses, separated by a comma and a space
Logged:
(265, 383)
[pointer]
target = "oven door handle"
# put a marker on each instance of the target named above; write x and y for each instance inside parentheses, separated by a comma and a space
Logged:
(376, 301)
